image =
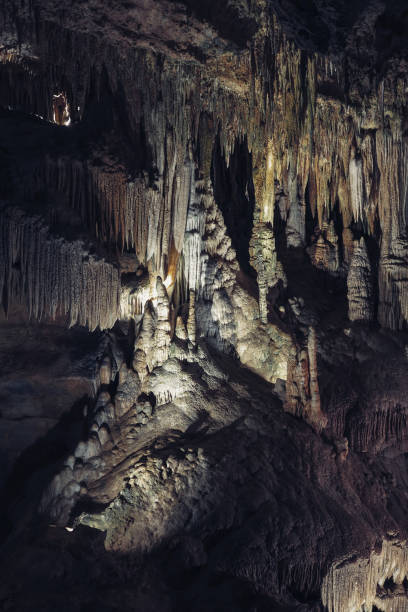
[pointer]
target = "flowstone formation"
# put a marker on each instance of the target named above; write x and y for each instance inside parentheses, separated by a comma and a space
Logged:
(203, 279)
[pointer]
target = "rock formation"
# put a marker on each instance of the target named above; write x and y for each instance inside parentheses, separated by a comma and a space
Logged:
(50, 275)
(204, 290)
(359, 285)
(264, 260)
(302, 386)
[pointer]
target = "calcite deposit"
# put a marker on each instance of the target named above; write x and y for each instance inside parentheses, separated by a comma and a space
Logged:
(204, 306)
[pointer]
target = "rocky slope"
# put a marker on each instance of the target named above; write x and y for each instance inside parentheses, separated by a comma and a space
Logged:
(203, 255)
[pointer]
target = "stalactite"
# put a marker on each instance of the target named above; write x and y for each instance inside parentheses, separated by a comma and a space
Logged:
(319, 155)
(355, 584)
(122, 212)
(306, 141)
(54, 277)
(392, 155)
(356, 187)
(376, 428)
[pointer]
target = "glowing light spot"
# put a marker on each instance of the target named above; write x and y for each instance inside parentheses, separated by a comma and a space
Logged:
(60, 105)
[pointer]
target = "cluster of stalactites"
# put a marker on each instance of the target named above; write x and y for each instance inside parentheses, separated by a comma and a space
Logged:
(357, 584)
(343, 170)
(380, 428)
(169, 102)
(51, 276)
(323, 153)
(151, 218)
(392, 158)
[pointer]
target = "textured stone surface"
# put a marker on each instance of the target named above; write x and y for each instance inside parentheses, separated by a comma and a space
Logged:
(360, 284)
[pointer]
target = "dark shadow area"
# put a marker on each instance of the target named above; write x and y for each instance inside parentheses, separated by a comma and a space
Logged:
(390, 31)
(389, 584)
(234, 194)
(231, 19)
(46, 169)
(37, 464)
(327, 25)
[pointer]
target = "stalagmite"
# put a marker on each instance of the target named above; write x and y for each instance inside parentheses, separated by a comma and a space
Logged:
(105, 371)
(302, 386)
(265, 261)
(360, 285)
(324, 252)
(153, 342)
(162, 332)
(143, 343)
(296, 384)
(226, 314)
(348, 245)
(191, 321)
(314, 413)
(180, 331)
